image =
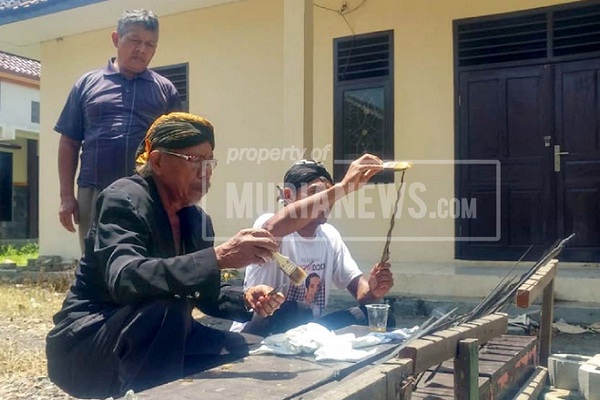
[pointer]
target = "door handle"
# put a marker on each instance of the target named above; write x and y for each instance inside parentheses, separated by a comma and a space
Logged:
(557, 154)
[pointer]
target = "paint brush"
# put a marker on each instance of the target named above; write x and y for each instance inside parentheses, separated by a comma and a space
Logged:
(296, 274)
(396, 165)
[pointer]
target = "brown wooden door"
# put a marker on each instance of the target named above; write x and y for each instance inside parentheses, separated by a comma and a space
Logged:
(504, 115)
(577, 87)
(517, 116)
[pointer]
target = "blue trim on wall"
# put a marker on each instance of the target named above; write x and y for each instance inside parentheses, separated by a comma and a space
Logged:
(10, 16)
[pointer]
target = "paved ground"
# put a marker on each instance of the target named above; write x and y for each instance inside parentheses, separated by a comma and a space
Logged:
(587, 344)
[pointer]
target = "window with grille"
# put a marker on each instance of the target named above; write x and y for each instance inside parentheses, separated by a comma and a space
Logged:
(178, 74)
(363, 100)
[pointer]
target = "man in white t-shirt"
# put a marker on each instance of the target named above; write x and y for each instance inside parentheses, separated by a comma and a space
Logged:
(316, 246)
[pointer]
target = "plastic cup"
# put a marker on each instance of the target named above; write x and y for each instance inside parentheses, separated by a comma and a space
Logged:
(378, 315)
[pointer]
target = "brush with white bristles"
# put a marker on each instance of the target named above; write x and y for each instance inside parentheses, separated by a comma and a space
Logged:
(396, 165)
(296, 274)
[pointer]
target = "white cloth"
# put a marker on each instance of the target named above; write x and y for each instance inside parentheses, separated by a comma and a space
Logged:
(326, 345)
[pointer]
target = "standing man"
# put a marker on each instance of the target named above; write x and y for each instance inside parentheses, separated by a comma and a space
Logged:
(106, 116)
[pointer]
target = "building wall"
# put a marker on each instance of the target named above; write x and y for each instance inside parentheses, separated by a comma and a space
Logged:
(424, 114)
(235, 80)
(235, 56)
(16, 127)
(15, 123)
(15, 108)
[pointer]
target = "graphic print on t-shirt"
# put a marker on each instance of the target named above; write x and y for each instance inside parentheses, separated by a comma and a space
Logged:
(312, 292)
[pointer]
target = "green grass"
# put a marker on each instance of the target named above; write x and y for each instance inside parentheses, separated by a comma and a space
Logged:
(19, 254)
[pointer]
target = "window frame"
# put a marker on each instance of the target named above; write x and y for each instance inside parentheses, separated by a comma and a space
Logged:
(35, 103)
(341, 160)
(167, 71)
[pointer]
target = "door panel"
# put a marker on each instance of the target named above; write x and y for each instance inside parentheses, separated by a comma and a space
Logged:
(578, 133)
(504, 115)
(517, 116)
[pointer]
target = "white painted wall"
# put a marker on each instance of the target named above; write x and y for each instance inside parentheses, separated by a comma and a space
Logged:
(15, 109)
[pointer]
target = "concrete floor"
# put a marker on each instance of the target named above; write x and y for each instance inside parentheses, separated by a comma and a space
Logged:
(575, 282)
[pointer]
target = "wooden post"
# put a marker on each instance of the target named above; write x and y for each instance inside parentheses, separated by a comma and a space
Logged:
(466, 370)
(542, 282)
(546, 323)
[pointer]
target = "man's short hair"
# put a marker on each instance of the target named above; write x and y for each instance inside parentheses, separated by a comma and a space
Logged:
(304, 172)
(145, 18)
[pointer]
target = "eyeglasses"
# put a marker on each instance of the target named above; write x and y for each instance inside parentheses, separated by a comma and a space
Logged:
(196, 160)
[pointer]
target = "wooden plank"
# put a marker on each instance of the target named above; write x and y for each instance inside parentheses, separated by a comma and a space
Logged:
(529, 291)
(433, 393)
(460, 328)
(496, 357)
(381, 382)
(505, 351)
(466, 370)
(546, 323)
(432, 350)
(505, 377)
(261, 377)
(534, 386)
(442, 387)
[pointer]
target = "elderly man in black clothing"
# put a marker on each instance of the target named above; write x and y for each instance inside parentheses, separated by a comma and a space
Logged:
(149, 259)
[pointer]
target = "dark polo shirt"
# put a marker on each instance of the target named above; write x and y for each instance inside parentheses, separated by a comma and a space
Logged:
(110, 115)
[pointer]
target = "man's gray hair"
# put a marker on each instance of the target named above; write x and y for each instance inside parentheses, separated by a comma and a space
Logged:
(144, 18)
(145, 170)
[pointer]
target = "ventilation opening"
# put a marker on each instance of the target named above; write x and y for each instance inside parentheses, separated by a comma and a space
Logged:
(576, 31)
(502, 40)
(178, 75)
(367, 56)
(565, 31)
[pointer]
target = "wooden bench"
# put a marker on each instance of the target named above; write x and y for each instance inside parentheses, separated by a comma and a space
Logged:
(470, 364)
(498, 370)
(486, 364)
(272, 377)
(473, 374)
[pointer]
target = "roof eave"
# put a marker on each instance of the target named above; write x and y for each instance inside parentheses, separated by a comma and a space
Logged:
(18, 78)
(25, 13)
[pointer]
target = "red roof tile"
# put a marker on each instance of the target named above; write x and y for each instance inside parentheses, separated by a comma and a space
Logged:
(19, 65)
